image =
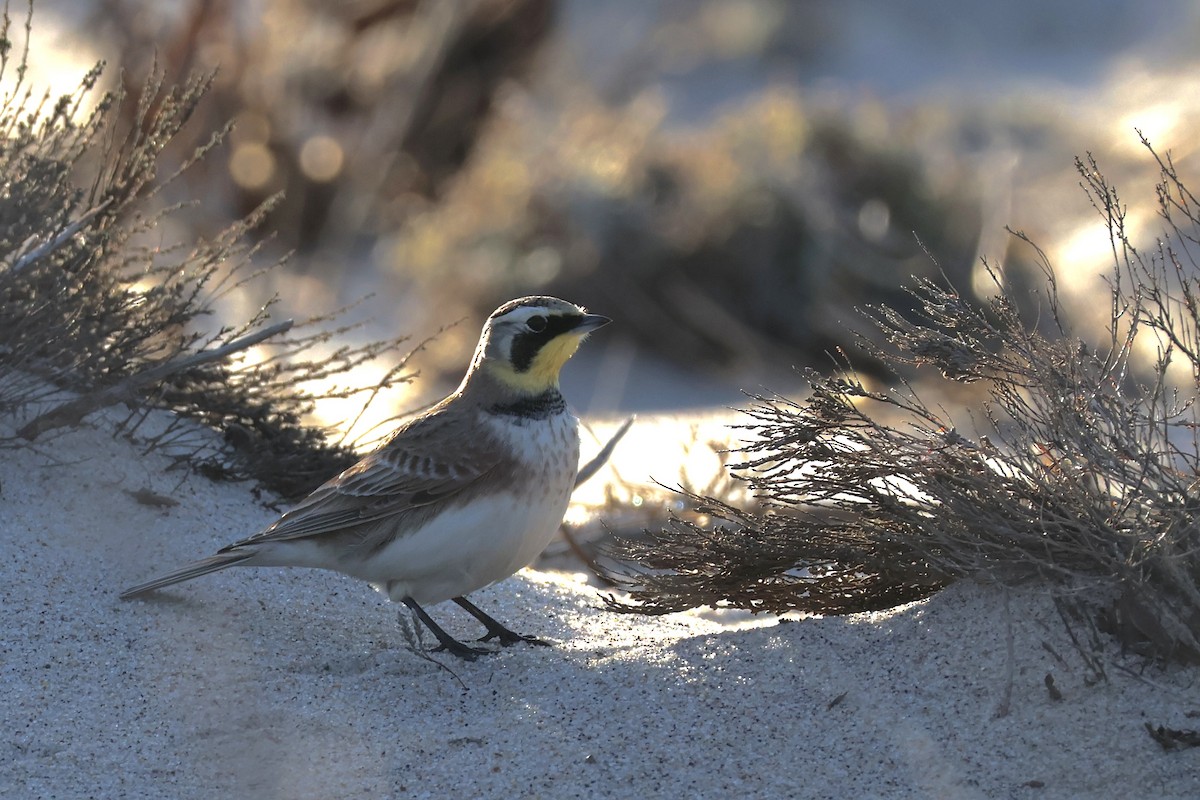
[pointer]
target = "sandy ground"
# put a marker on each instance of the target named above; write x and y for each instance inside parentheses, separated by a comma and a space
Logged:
(298, 684)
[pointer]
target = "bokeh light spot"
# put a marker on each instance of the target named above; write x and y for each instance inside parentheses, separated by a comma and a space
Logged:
(321, 158)
(252, 165)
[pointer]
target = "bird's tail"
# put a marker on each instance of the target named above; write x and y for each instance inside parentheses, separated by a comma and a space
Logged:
(188, 571)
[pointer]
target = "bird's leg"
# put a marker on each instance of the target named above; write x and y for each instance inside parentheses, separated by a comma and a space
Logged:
(448, 643)
(494, 629)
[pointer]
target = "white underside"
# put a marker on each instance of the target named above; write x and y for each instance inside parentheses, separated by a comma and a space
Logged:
(467, 548)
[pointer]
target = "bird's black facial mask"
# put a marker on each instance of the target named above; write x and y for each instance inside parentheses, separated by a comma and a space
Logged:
(527, 343)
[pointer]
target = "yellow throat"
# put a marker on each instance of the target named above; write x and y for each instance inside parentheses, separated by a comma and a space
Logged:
(543, 370)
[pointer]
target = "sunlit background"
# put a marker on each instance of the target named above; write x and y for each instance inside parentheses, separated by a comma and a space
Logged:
(727, 179)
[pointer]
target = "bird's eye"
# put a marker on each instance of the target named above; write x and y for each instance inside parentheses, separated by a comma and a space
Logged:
(536, 324)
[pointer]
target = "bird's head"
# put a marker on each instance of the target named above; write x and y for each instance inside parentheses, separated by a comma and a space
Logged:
(525, 342)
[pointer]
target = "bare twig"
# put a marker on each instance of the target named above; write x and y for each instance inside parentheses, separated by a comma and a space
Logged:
(45, 249)
(73, 412)
(592, 467)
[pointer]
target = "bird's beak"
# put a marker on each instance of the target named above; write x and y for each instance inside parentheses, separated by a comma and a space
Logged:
(591, 322)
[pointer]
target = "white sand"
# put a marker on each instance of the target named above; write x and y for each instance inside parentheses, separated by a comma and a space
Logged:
(297, 684)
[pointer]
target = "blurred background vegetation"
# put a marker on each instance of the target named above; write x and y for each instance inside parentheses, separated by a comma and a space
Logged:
(728, 179)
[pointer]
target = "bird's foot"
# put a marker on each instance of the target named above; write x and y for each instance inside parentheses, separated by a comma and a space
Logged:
(494, 629)
(507, 637)
(460, 650)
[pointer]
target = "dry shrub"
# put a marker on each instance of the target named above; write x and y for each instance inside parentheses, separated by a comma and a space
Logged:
(1080, 467)
(91, 313)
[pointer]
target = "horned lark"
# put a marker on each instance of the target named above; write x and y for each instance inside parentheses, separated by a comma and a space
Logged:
(456, 499)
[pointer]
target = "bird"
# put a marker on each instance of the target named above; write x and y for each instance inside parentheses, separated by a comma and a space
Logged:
(455, 499)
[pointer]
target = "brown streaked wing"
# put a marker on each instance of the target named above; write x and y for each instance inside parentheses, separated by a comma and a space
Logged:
(429, 461)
